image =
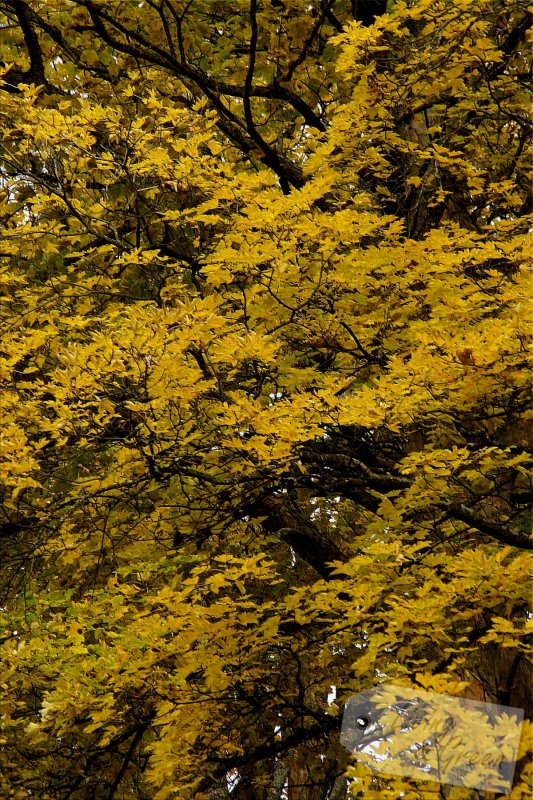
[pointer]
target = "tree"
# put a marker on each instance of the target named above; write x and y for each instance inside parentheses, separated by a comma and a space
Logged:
(265, 387)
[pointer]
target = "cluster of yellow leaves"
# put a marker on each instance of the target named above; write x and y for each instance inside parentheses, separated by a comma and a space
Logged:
(168, 652)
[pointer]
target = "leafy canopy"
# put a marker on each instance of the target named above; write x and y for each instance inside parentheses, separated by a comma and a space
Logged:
(266, 430)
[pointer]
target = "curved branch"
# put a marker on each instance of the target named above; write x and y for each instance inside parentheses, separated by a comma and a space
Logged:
(495, 530)
(351, 478)
(287, 171)
(35, 73)
(153, 54)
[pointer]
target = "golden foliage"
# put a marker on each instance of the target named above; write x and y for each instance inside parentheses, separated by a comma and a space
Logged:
(265, 391)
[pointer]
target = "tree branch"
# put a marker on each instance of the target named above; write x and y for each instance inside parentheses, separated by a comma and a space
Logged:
(35, 73)
(226, 763)
(127, 758)
(495, 530)
(305, 538)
